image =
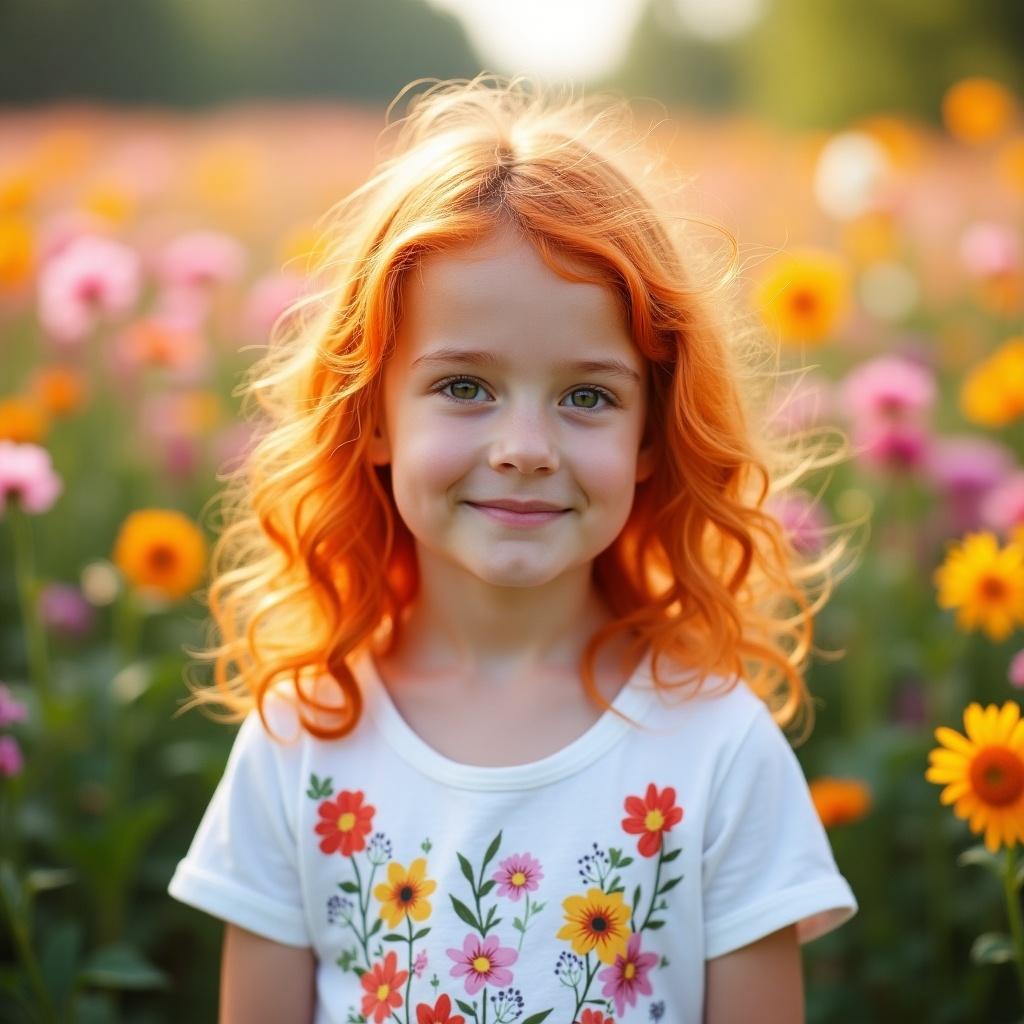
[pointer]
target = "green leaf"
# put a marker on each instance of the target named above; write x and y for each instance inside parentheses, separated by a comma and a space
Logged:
(465, 1007)
(121, 966)
(655, 924)
(377, 925)
(613, 883)
(671, 855)
(613, 857)
(465, 913)
(393, 937)
(58, 960)
(467, 870)
(14, 895)
(491, 850)
(518, 924)
(625, 862)
(537, 908)
(95, 1008)
(981, 856)
(670, 884)
(348, 886)
(420, 934)
(636, 897)
(42, 879)
(487, 887)
(537, 1017)
(992, 948)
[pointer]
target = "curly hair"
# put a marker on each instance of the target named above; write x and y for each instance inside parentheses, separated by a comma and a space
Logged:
(702, 571)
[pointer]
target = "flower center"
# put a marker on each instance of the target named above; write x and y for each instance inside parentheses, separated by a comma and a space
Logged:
(161, 556)
(518, 879)
(481, 964)
(803, 301)
(598, 924)
(997, 776)
(629, 972)
(993, 588)
(405, 893)
(346, 821)
(383, 991)
(655, 821)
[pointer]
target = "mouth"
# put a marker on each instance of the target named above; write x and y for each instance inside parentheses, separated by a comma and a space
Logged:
(507, 515)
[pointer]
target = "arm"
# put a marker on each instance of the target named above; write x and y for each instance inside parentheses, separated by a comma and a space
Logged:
(762, 981)
(265, 982)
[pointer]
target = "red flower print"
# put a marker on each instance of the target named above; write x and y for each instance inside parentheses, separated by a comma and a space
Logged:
(652, 816)
(627, 977)
(345, 823)
(595, 1017)
(381, 983)
(439, 1014)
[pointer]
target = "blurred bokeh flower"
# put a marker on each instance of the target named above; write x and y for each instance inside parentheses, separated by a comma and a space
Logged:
(803, 403)
(11, 761)
(1002, 508)
(988, 249)
(11, 709)
(888, 387)
(984, 583)
(201, 259)
(267, 299)
(893, 446)
(23, 419)
(840, 801)
(27, 477)
(965, 469)
(91, 277)
(992, 393)
(1015, 673)
(158, 342)
(978, 110)
(850, 171)
(64, 610)
(983, 772)
(61, 390)
(161, 550)
(17, 252)
(803, 519)
(804, 295)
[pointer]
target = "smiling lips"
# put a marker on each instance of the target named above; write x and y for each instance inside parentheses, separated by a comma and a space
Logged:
(512, 517)
(519, 506)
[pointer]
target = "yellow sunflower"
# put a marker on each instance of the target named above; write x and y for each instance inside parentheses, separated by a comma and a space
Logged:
(992, 394)
(161, 550)
(598, 921)
(984, 772)
(985, 584)
(405, 892)
(804, 295)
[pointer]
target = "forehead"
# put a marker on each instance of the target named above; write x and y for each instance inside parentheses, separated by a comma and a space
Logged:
(499, 294)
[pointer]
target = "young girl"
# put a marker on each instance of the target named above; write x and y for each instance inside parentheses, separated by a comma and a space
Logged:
(513, 635)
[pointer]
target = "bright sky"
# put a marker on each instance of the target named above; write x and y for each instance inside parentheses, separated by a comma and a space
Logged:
(580, 39)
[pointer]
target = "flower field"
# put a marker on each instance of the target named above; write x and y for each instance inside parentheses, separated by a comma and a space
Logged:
(143, 260)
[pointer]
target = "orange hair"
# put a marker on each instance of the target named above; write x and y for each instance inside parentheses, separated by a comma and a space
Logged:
(700, 571)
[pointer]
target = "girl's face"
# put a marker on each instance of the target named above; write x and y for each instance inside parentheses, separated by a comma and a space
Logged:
(516, 421)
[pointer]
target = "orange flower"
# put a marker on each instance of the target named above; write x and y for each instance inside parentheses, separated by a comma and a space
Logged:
(17, 252)
(161, 550)
(382, 982)
(597, 922)
(804, 295)
(992, 393)
(977, 110)
(840, 801)
(23, 419)
(60, 389)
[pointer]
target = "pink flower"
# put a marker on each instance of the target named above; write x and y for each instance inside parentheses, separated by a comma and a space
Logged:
(1016, 670)
(11, 710)
(625, 979)
(803, 404)
(966, 468)
(11, 761)
(201, 258)
(988, 249)
(1002, 508)
(516, 874)
(90, 277)
(420, 963)
(803, 519)
(887, 388)
(483, 962)
(268, 298)
(27, 476)
(64, 610)
(893, 447)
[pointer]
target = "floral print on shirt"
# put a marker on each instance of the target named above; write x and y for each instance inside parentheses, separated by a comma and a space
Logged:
(606, 968)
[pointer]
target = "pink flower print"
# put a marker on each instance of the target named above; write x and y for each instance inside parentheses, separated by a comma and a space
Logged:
(10, 756)
(27, 476)
(419, 965)
(89, 277)
(483, 962)
(625, 979)
(517, 874)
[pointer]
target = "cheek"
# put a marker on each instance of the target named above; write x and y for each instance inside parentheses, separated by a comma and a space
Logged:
(430, 458)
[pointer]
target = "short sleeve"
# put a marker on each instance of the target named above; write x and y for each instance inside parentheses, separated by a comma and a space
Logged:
(242, 863)
(767, 862)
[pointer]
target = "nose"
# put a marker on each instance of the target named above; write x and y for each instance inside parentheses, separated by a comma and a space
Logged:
(524, 440)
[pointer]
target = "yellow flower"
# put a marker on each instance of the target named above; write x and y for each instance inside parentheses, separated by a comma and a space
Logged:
(161, 550)
(984, 772)
(984, 584)
(992, 394)
(840, 801)
(405, 892)
(110, 201)
(804, 295)
(977, 110)
(598, 921)
(17, 252)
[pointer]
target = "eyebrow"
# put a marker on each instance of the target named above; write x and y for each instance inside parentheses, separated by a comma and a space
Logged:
(612, 367)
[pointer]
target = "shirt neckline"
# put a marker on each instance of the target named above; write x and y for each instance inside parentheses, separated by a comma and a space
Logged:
(633, 699)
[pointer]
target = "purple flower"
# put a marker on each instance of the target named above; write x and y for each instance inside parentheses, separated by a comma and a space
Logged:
(65, 611)
(420, 963)
(483, 962)
(1016, 670)
(518, 873)
(11, 761)
(966, 468)
(11, 710)
(27, 476)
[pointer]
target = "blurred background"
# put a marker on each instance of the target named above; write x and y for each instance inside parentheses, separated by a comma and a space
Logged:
(162, 164)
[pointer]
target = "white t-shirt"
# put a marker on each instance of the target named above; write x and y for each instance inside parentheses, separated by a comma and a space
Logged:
(598, 878)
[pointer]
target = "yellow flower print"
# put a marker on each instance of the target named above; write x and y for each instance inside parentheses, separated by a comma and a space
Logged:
(598, 921)
(405, 892)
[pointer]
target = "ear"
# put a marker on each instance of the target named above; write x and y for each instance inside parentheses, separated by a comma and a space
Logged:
(379, 448)
(645, 459)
